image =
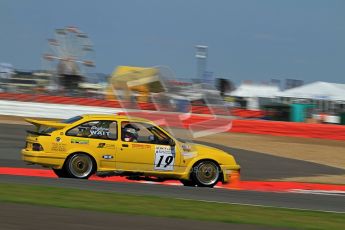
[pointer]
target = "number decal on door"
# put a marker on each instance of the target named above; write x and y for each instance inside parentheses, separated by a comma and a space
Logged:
(164, 158)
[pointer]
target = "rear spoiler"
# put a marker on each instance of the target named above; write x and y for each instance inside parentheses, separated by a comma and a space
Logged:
(52, 124)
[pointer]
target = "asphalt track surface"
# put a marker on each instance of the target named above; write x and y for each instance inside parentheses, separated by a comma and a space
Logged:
(256, 166)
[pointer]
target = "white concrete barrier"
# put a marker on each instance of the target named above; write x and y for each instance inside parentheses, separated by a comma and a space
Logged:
(328, 118)
(60, 111)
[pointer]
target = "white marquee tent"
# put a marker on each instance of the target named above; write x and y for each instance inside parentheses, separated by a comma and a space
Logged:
(255, 90)
(316, 91)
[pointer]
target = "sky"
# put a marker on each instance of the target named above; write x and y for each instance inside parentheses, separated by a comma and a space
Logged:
(254, 40)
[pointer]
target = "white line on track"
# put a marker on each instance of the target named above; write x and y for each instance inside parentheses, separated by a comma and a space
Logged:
(262, 206)
(319, 192)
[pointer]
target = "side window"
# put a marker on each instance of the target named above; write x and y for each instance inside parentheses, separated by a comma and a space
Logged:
(142, 133)
(95, 129)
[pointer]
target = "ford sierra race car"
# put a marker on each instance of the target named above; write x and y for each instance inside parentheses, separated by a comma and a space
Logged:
(117, 145)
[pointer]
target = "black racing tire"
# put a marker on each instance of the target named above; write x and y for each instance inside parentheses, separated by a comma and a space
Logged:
(206, 173)
(61, 173)
(188, 183)
(80, 166)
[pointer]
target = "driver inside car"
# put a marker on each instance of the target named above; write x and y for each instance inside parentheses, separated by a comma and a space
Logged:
(130, 133)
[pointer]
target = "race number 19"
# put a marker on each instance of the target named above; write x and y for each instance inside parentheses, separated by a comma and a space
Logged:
(164, 158)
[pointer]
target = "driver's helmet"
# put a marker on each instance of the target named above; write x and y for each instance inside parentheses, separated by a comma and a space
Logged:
(130, 133)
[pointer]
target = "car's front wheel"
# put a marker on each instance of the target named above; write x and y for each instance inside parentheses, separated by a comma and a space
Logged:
(80, 165)
(205, 173)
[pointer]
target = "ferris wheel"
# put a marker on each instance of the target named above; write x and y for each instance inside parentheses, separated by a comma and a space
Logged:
(70, 54)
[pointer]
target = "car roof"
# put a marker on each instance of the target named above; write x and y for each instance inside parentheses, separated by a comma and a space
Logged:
(115, 117)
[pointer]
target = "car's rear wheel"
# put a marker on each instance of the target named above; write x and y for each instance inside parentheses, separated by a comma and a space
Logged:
(60, 173)
(206, 173)
(80, 165)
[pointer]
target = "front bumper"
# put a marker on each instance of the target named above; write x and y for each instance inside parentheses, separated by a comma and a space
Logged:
(43, 158)
(229, 171)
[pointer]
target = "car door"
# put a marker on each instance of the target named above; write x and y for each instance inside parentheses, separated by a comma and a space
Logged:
(98, 138)
(150, 151)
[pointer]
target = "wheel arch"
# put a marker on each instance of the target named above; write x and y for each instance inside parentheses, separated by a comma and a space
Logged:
(196, 161)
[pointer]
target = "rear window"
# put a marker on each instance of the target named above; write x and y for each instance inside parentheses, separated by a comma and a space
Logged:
(47, 130)
(72, 120)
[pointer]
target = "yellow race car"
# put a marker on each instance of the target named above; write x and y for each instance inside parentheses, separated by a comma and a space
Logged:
(120, 145)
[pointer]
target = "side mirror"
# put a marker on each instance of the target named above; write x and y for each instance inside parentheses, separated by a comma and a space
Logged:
(171, 142)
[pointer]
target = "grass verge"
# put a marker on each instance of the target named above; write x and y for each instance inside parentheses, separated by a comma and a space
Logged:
(168, 207)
